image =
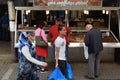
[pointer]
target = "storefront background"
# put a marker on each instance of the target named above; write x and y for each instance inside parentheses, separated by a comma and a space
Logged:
(72, 2)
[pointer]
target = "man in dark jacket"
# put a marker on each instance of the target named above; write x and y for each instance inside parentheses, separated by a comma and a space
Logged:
(93, 40)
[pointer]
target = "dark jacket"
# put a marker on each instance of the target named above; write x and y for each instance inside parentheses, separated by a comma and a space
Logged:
(4, 19)
(93, 40)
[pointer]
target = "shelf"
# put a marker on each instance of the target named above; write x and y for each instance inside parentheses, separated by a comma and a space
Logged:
(29, 30)
(71, 30)
(105, 45)
(67, 8)
(77, 44)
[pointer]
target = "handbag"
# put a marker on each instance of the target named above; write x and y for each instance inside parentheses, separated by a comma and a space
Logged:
(40, 42)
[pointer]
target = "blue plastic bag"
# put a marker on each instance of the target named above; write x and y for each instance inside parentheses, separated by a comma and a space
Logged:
(69, 72)
(56, 75)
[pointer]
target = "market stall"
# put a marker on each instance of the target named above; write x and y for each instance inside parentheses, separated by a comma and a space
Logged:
(110, 41)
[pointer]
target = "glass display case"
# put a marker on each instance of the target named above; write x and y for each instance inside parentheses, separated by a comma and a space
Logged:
(76, 23)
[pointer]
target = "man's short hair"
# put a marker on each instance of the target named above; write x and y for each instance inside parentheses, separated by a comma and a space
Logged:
(88, 23)
(60, 27)
(59, 20)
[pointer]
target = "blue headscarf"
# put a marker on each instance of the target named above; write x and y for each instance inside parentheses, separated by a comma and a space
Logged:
(23, 41)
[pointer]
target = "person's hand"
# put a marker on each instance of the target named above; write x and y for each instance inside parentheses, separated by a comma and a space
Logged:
(56, 65)
(45, 64)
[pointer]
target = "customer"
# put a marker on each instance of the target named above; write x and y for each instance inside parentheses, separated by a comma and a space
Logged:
(53, 33)
(60, 46)
(93, 40)
(4, 21)
(41, 52)
(27, 62)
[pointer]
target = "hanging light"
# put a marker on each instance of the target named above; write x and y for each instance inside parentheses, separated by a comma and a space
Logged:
(47, 12)
(27, 12)
(103, 11)
(107, 12)
(85, 11)
(66, 11)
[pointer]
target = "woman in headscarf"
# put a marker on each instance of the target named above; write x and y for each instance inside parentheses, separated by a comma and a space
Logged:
(26, 55)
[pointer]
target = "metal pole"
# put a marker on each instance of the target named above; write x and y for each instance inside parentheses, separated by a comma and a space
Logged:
(118, 13)
(11, 11)
(15, 40)
(109, 20)
(66, 17)
(22, 17)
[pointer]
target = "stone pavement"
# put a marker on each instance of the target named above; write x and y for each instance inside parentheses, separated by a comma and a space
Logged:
(8, 69)
(108, 71)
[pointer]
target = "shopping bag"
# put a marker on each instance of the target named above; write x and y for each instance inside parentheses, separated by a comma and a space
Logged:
(56, 75)
(69, 72)
(85, 51)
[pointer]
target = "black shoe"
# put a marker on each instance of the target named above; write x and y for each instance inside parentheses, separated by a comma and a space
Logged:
(89, 77)
(96, 76)
(38, 68)
(42, 70)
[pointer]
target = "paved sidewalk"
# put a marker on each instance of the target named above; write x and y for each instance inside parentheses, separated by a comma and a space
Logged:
(8, 69)
(108, 71)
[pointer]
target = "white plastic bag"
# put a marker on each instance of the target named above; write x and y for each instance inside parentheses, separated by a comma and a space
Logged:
(85, 51)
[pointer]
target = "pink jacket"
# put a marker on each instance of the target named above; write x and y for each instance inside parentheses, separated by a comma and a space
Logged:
(37, 33)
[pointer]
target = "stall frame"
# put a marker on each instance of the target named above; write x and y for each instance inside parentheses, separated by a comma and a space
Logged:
(72, 44)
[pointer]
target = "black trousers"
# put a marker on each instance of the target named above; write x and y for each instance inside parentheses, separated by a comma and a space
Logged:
(62, 66)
